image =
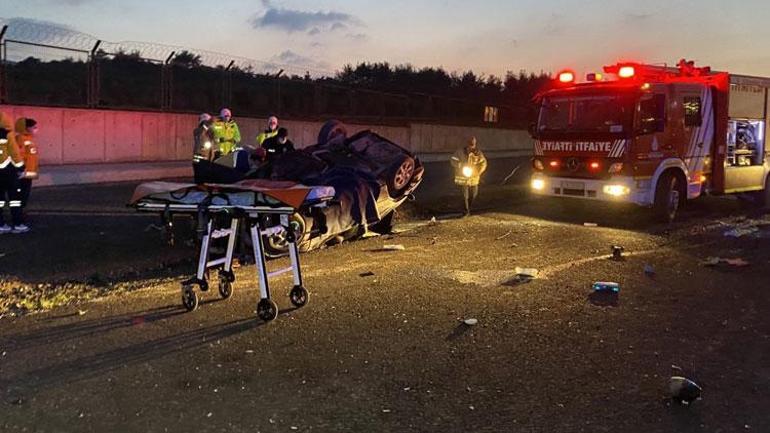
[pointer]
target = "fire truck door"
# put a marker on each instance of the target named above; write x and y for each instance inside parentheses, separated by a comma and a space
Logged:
(697, 138)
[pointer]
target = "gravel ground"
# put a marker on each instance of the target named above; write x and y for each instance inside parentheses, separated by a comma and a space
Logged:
(389, 351)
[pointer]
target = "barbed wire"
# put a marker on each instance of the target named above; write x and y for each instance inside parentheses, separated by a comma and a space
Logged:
(22, 30)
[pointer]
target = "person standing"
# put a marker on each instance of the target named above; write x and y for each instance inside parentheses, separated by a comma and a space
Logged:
(26, 129)
(469, 164)
(204, 147)
(226, 132)
(277, 145)
(11, 165)
(271, 131)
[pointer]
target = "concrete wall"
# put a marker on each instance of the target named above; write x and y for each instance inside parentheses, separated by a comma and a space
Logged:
(80, 136)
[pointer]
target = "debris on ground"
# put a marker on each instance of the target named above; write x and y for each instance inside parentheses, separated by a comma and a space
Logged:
(499, 238)
(749, 227)
(396, 247)
(649, 270)
(683, 390)
(525, 275)
(741, 232)
(366, 274)
(471, 322)
(590, 225)
(433, 220)
(715, 261)
(617, 252)
(606, 287)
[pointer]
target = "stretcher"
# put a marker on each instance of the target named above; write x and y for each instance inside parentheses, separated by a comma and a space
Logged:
(221, 210)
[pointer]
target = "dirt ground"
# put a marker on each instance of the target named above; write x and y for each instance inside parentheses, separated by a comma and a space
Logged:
(94, 338)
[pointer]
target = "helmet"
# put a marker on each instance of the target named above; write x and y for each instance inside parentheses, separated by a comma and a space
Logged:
(225, 113)
(204, 117)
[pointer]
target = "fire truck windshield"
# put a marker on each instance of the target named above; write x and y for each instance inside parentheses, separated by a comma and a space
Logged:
(586, 113)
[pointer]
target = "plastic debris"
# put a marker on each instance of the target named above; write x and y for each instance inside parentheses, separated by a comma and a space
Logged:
(499, 238)
(82, 312)
(366, 274)
(531, 273)
(397, 247)
(471, 322)
(683, 390)
(590, 225)
(606, 287)
(649, 270)
(740, 232)
(617, 252)
(433, 220)
(714, 261)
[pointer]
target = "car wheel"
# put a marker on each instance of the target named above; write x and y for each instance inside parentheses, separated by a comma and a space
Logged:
(332, 130)
(278, 245)
(400, 175)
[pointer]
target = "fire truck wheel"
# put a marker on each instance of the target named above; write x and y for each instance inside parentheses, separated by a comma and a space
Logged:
(764, 198)
(189, 298)
(669, 196)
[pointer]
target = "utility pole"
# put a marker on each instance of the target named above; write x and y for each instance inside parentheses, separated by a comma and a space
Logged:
(3, 56)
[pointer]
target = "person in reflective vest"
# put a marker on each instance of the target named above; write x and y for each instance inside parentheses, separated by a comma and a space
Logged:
(226, 132)
(11, 166)
(469, 164)
(26, 129)
(271, 131)
(205, 146)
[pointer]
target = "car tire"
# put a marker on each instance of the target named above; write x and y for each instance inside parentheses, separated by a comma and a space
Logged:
(331, 131)
(670, 194)
(278, 245)
(399, 175)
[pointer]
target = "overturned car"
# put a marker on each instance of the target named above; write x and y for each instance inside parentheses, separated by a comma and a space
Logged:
(370, 174)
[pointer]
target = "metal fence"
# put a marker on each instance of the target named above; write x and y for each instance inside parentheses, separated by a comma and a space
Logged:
(123, 76)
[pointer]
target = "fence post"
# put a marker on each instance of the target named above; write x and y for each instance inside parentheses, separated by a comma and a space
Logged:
(227, 84)
(165, 82)
(92, 88)
(3, 57)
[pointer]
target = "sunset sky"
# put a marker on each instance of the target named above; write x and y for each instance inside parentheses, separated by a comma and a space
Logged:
(486, 36)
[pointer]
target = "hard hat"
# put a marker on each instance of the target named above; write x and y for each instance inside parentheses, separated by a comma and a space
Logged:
(225, 113)
(204, 117)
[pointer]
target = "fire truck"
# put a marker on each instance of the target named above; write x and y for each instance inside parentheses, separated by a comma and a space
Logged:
(652, 135)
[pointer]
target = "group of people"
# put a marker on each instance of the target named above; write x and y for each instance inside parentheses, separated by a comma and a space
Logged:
(18, 167)
(220, 136)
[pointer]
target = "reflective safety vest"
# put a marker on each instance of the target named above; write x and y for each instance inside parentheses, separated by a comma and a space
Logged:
(27, 149)
(9, 150)
(469, 166)
(227, 135)
(264, 135)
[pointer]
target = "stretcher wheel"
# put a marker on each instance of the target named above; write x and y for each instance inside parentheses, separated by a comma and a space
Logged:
(267, 310)
(189, 298)
(225, 287)
(299, 296)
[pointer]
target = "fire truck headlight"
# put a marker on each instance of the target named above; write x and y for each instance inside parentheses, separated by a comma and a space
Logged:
(467, 171)
(616, 190)
(538, 184)
(207, 145)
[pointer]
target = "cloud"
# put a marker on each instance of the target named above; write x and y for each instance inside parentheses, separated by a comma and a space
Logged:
(358, 37)
(290, 20)
(291, 58)
(314, 31)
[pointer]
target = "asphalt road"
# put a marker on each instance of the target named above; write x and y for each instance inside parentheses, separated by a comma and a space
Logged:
(389, 352)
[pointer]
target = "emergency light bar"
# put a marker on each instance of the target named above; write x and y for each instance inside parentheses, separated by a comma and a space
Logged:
(626, 72)
(566, 77)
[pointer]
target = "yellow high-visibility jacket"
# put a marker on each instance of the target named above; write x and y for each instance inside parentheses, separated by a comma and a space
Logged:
(264, 135)
(9, 151)
(464, 160)
(227, 135)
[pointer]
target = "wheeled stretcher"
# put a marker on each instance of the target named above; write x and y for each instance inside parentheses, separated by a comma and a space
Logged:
(221, 210)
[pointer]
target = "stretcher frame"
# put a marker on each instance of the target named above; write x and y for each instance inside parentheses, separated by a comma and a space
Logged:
(267, 310)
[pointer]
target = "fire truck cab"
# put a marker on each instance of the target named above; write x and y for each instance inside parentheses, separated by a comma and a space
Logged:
(652, 135)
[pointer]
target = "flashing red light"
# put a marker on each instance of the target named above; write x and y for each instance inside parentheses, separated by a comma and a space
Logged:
(595, 165)
(554, 164)
(626, 72)
(566, 77)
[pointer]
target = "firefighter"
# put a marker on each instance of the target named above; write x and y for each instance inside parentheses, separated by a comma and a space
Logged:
(277, 145)
(11, 165)
(469, 164)
(205, 146)
(26, 129)
(271, 131)
(226, 132)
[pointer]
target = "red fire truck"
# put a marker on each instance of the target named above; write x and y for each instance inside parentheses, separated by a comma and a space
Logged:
(653, 135)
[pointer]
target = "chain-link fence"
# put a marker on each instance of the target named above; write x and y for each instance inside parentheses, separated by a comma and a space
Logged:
(86, 72)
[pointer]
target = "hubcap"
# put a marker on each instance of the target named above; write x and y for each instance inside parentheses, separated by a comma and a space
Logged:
(404, 174)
